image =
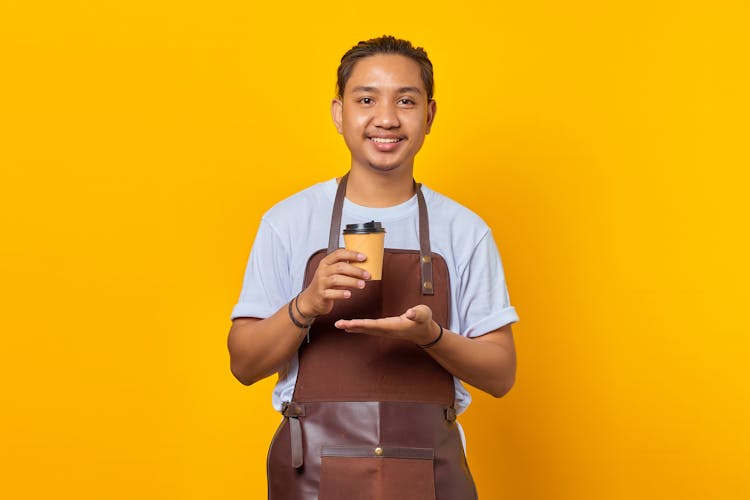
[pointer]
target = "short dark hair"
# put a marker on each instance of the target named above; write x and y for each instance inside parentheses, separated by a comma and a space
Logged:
(385, 44)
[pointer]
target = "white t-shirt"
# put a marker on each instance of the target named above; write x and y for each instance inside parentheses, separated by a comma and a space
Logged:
(295, 228)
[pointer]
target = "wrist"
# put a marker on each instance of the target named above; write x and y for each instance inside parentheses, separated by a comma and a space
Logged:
(302, 309)
(293, 316)
(436, 333)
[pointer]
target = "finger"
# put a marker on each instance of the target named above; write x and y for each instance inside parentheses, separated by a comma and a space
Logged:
(371, 325)
(333, 294)
(352, 324)
(340, 281)
(342, 254)
(346, 269)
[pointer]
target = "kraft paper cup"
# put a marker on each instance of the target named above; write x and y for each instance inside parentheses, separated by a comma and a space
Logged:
(367, 238)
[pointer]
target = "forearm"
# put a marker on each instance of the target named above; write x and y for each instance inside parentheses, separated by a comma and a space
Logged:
(487, 362)
(261, 347)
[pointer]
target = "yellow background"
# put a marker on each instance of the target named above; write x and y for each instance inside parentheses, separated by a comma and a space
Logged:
(606, 143)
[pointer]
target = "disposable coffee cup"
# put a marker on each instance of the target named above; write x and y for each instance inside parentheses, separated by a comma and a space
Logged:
(367, 238)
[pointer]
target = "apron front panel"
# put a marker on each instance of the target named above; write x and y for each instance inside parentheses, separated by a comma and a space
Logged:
(341, 366)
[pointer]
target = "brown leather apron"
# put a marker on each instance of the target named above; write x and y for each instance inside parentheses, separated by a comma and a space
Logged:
(373, 418)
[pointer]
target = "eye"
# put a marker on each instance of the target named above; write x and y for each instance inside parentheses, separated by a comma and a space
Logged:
(406, 102)
(366, 100)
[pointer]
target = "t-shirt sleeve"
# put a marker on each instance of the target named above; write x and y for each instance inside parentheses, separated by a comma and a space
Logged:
(484, 303)
(266, 285)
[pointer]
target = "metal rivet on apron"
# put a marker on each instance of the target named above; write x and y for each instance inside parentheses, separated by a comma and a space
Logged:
(426, 259)
(428, 284)
(378, 451)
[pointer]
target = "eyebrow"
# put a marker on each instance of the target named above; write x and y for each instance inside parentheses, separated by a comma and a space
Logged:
(402, 90)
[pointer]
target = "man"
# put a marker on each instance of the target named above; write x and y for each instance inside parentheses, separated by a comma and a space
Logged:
(370, 398)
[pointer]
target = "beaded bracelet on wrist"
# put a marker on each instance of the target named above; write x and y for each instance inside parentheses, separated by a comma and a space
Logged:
(298, 324)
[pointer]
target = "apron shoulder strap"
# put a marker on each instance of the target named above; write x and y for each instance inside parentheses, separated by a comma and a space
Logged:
(338, 208)
(425, 254)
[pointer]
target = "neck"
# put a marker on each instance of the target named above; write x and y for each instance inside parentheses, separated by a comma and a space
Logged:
(379, 189)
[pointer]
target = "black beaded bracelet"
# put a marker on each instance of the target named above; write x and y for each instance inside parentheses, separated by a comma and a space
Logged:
(430, 344)
(299, 324)
(294, 320)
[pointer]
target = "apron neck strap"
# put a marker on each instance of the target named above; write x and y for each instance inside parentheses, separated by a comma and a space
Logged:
(425, 254)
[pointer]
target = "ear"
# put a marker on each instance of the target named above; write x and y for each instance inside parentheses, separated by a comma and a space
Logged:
(337, 108)
(431, 112)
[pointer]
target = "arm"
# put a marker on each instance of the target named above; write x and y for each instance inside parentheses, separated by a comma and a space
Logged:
(261, 347)
(487, 362)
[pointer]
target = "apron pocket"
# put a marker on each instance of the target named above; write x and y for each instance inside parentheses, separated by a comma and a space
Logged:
(376, 473)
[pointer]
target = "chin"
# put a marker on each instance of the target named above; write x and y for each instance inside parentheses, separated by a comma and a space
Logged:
(387, 167)
(384, 168)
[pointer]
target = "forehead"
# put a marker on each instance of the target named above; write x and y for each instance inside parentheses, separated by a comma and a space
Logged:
(386, 72)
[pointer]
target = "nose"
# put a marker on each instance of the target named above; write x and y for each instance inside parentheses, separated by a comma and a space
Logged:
(386, 115)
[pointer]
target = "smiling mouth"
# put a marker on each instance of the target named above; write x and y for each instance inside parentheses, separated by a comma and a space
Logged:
(383, 140)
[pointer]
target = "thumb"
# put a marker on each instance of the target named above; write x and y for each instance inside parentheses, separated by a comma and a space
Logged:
(419, 314)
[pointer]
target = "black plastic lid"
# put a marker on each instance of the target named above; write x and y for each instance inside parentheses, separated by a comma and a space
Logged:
(364, 228)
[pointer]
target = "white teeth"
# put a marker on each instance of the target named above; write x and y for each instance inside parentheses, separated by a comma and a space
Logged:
(383, 140)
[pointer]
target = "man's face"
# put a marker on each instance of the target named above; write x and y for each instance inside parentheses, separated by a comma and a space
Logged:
(384, 113)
